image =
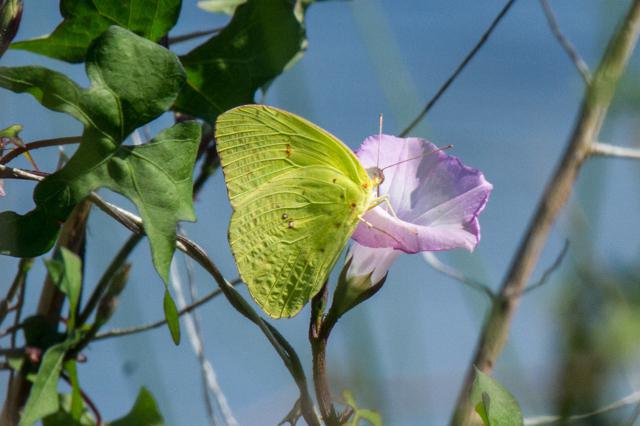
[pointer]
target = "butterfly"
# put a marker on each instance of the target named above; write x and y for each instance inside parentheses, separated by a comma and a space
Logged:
(297, 194)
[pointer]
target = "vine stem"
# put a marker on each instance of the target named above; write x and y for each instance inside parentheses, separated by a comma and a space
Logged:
(39, 144)
(119, 332)
(587, 128)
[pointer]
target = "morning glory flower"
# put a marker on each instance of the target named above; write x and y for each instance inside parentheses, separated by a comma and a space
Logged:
(436, 198)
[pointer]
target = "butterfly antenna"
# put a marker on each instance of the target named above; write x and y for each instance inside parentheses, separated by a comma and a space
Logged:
(379, 140)
(444, 148)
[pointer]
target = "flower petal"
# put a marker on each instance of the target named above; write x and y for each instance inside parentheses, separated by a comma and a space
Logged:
(436, 198)
(366, 260)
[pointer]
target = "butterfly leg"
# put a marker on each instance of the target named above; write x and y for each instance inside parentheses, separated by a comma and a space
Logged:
(372, 226)
(383, 200)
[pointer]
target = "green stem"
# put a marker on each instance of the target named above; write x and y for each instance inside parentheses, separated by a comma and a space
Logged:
(594, 109)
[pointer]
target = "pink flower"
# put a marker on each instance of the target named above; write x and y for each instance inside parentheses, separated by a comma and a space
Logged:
(436, 198)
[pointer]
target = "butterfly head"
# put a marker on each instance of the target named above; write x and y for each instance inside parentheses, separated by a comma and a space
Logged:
(376, 175)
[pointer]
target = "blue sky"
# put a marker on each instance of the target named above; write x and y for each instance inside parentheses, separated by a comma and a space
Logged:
(404, 352)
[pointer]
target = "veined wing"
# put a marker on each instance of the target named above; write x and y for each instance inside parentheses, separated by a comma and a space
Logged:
(257, 143)
(288, 235)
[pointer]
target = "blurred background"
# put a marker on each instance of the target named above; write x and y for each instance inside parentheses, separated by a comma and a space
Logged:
(574, 342)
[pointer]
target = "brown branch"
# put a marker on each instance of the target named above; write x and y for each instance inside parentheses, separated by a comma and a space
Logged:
(39, 144)
(459, 69)
(319, 331)
(86, 398)
(593, 111)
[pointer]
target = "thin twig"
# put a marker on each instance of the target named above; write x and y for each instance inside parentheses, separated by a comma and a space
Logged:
(457, 275)
(11, 352)
(196, 341)
(593, 112)
(18, 281)
(39, 144)
(119, 332)
(225, 409)
(190, 36)
(10, 330)
(209, 377)
(606, 150)
(459, 69)
(21, 294)
(105, 280)
(634, 398)
(550, 270)
(577, 60)
(7, 172)
(86, 399)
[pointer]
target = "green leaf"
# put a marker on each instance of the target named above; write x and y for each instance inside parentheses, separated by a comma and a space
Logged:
(143, 413)
(63, 416)
(493, 403)
(77, 406)
(133, 81)
(359, 414)
(11, 131)
(85, 20)
(220, 6)
(261, 40)
(43, 399)
(66, 274)
(171, 314)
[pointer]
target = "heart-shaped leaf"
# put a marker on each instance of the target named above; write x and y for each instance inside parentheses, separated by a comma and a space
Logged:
(262, 39)
(133, 80)
(84, 20)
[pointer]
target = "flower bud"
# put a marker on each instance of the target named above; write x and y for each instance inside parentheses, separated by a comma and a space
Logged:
(10, 15)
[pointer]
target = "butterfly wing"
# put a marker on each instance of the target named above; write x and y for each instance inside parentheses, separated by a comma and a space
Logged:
(289, 234)
(256, 143)
(297, 193)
